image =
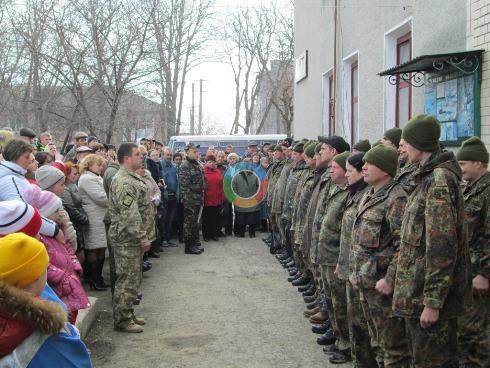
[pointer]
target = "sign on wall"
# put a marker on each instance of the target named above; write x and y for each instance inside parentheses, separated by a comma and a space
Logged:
(301, 67)
(452, 101)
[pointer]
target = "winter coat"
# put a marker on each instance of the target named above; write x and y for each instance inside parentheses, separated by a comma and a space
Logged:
(433, 263)
(13, 184)
(154, 168)
(34, 332)
(72, 203)
(64, 272)
(95, 203)
(213, 192)
(154, 194)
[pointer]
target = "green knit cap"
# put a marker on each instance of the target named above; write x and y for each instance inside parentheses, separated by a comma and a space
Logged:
(384, 157)
(318, 147)
(299, 147)
(310, 149)
(278, 147)
(362, 146)
(377, 143)
(422, 132)
(473, 149)
(394, 135)
(341, 159)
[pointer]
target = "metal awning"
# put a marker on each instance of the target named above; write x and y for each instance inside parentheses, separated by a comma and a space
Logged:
(414, 71)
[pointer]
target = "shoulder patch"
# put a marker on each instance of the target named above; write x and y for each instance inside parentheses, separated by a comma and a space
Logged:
(127, 200)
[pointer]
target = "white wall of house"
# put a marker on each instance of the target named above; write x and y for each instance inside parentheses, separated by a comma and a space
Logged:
(366, 31)
(478, 37)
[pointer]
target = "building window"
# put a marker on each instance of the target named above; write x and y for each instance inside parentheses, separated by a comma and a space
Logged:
(403, 89)
(354, 101)
(331, 106)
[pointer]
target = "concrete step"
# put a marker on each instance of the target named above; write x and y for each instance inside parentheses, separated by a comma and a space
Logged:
(86, 317)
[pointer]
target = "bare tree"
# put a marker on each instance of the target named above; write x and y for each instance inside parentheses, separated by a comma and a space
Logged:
(180, 30)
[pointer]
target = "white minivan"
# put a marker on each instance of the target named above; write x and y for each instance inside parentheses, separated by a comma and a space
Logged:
(239, 142)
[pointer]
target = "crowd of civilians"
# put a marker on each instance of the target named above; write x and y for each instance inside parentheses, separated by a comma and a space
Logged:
(54, 212)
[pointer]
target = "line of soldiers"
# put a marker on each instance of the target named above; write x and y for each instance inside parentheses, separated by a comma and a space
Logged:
(389, 245)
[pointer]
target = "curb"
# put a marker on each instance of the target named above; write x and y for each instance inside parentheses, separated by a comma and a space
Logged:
(86, 317)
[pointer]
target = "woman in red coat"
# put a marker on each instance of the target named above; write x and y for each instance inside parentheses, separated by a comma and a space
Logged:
(213, 199)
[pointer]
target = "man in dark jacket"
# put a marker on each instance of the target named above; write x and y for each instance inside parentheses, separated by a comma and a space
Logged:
(191, 181)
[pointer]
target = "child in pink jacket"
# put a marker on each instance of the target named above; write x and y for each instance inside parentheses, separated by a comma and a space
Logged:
(64, 270)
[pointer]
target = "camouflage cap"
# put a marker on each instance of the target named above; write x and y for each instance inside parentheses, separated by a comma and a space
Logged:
(192, 146)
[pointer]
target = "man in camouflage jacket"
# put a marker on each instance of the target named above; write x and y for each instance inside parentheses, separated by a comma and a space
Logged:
(473, 325)
(191, 184)
(432, 280)
(375, 242)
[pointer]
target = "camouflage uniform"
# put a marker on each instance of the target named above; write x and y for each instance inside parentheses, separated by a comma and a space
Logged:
(132, 224)
(433, 263)
(405, 177)
(361, 350)
(273, 175)
(327, 257)
(375, 241)
(279, 195)
(308, 225)
(191, 184)
(301, 201)
(289, 199)
(473, 336)
(110, 172)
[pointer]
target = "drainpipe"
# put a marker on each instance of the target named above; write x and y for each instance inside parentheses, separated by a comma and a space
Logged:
(334, 100)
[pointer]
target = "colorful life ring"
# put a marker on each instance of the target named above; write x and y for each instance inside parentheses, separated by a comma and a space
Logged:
(233, 197)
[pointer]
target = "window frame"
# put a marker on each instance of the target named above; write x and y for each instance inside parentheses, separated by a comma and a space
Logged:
(400, 84)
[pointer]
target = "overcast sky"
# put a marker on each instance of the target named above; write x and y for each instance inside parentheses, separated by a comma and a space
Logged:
(219, 98)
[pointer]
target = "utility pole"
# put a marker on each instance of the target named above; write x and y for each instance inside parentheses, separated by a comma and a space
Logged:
(192, 111)
(199, 129)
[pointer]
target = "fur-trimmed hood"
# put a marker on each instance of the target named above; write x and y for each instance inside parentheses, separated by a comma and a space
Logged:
(21, 313)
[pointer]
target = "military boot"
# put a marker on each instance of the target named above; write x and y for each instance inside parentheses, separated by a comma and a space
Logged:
(130, 328)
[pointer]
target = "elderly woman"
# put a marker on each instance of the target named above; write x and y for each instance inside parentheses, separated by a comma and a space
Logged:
(95, 203)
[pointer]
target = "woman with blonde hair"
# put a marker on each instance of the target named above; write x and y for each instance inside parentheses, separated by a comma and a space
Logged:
(94, 201)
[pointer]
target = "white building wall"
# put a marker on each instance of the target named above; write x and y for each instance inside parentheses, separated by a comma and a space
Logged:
(478, 37)
(437, 26)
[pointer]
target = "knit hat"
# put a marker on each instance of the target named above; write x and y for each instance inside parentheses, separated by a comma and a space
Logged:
(394, 135)
(48, 203)
(362, 146)
(356, 160)
(19, 217)
(299, 147)
(310, 149)
(341, 158)
(377, 143)
(31, 194)
(383, 157)
(59, 165)
(473, 149)
(47, 176)
(336, 142)
(423, 132)
(318, 147)
(23, 259)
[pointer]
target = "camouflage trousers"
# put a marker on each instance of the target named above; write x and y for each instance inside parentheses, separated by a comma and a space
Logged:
(435, 346)
(473, 333)
(191, 223)
(128, 262)
(388, 336)
(112, 263)
(298, 259)
(335, 292)
(360, 341)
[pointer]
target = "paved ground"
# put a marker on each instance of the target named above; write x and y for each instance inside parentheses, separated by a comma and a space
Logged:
(229, 307)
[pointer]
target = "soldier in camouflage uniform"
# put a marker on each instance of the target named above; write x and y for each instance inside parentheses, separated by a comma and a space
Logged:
(361, 349)
(131, 231)
(328, 254)
(278, 201)
(191, 184)
(473, 325)
(288, 206)
(405, 175)
(432, 276)
(273, 174)
(375, 242)
(302, 198)
(330, 147)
